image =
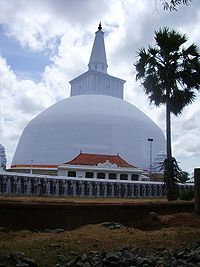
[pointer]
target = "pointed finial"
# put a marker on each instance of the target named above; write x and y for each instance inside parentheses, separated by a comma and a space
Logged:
(100, 27)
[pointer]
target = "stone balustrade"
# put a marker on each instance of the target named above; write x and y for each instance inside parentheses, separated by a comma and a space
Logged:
(23, 184)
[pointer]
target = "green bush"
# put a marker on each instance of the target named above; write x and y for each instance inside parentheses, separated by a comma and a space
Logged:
(186, 194)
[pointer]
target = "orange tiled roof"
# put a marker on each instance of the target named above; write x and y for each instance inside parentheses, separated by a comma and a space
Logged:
(94, 159)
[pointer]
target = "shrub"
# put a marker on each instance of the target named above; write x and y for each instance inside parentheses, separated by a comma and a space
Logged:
(186, 194)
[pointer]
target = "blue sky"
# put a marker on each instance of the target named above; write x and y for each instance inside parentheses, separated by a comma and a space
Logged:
(23, 61)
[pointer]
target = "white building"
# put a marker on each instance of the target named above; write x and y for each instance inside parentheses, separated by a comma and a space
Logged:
(100, 167)
(94, 119)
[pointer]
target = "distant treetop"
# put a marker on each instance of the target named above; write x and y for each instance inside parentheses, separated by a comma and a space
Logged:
(172, 4)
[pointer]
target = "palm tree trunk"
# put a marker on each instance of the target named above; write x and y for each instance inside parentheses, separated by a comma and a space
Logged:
(168, 131)
(169, 174)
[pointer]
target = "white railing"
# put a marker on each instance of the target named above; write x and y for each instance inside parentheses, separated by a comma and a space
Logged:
(41, 185)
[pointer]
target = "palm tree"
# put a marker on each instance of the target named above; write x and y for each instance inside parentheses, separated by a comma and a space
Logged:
(170, 75)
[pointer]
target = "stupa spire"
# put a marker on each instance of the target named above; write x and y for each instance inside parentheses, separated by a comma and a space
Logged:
(100, 27)
(96, 80)
(98, 59)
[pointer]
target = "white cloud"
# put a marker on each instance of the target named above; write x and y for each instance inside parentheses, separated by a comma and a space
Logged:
(36, 23)
(20, 101)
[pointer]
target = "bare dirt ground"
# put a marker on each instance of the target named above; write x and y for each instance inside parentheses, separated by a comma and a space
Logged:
(173, 231)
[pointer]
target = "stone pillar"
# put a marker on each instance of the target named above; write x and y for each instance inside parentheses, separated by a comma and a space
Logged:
(38, 186)
(95, 175)
(8, 188)
(81, 189)
(144, 191)
(139, 190)
(65, 187)
(72, 188)
(29, 186)
(3, 185)
(48, 187)
(90, 189)
(112, 190)
(19, 185)
(129, 176)
(15, 185)
(197, 190)
(98, 189)
(57, 188)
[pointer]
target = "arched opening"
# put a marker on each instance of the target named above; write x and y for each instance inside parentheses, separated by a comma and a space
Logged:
(112, 176)
(71, 174)
(101, 175)
(134, 177)
(89, 175)
(123, 176)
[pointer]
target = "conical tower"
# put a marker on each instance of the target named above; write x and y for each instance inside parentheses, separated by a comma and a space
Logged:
(96, 80)
(98, 59)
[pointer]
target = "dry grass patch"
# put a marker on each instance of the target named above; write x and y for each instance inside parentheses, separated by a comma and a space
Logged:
(58, 199)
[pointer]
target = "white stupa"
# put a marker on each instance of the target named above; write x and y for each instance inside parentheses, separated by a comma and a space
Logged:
(3, 159)
(94, 119)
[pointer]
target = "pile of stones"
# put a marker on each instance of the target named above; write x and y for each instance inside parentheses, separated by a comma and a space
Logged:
(125, 257)
(18, 260)
(132, 257)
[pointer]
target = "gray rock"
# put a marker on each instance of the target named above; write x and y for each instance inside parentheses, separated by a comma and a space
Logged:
(112, 225)
(31, 262)
(17, 255)
(140, 261)
(191, 265)
(112, 256)
(84, 257)
(181, 262)
(128, 256)
(22, 264)
(73, 253)
(86, 264)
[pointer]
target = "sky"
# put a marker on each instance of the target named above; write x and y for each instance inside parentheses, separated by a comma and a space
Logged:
(46, 43)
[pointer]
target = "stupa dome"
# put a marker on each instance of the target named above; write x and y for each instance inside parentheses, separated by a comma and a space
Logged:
(95, 119)
(92, 123)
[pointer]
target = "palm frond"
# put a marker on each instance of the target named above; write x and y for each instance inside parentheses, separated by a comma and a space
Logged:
(169, 40)
(180, 99)
(192, 50)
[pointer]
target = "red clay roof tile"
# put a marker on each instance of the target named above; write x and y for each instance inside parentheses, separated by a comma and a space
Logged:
(94, 159)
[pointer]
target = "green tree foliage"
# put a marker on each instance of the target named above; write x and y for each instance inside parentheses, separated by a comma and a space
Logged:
(186, 194)
(170, 75)
(172, 4)
(183, 177)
